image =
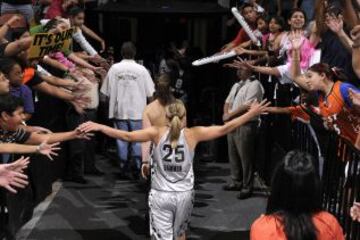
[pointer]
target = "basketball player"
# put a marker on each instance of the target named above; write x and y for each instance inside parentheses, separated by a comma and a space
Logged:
(154, 115)
(172, 181)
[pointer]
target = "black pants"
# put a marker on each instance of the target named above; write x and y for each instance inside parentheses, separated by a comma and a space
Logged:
(81, 152)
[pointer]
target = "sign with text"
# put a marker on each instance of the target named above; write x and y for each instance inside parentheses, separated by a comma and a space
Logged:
(45, 43)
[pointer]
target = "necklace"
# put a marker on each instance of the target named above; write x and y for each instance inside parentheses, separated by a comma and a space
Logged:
(330, 90)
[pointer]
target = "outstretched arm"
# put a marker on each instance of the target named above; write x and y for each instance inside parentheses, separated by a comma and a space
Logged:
(336, 24)
(267, 70)
(59, 82)
(260, 69)
(295, 70)
(54, 63)
(144, 135)
(36, 138)
(5, 28)
(81, 62)
(240, 50)
(208, 133)
(18, 148)
(145, 147)
(355, 34)
(15, 47)
(278, 110)
(77, 101)
(93, 35)
(350, 14)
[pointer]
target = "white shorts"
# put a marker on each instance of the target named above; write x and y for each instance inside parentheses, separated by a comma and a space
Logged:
(170, 213)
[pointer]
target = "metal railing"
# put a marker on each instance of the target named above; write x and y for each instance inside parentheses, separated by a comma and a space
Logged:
(340, 174)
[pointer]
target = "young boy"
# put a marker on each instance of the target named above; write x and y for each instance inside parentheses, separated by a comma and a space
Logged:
(250, 15)
(43, 148)
(11, 119)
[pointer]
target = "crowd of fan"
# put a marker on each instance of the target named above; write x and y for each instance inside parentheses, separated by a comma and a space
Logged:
(308, 54)
(72, 75)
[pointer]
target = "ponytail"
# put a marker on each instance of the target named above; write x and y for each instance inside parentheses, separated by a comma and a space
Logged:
(339, 74)
(175, 112)
(175, 128)
(333, 74)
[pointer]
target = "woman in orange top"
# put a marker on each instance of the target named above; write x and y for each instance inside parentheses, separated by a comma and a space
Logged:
(335, 104)
(294, 207)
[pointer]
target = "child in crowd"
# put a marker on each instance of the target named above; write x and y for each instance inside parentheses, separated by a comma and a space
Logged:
(296, 21)
(335, 103)
(14, 72)
(270, 41)
(250, 15)
(12, 117)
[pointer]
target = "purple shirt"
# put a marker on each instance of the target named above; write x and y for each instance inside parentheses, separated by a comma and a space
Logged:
(24, 92)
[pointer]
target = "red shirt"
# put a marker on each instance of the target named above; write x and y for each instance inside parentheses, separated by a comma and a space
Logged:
(241, 37)
(55, 9)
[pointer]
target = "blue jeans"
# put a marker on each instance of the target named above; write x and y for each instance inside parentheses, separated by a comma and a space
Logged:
(125, 148)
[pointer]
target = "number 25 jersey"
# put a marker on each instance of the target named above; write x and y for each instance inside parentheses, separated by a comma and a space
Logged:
(172, 169)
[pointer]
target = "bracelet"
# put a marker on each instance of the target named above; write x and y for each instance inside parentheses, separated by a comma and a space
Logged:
(38, 148)
(355, 45)
(144, 162)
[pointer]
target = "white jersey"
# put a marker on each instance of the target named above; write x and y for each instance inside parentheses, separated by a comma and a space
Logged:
(172, 169)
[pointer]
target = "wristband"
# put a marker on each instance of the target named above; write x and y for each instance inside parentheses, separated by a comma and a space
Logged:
(38, 148)
(355, 45)
(144, 162)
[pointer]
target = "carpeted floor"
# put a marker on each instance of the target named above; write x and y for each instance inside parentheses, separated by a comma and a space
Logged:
(111, 209)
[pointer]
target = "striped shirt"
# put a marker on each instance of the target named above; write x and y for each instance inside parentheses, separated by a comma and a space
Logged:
(18, 136)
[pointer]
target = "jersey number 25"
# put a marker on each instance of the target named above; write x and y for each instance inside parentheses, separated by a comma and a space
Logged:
(179, 153)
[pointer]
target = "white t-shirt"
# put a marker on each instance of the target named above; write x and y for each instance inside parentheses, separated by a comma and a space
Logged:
(127, 84)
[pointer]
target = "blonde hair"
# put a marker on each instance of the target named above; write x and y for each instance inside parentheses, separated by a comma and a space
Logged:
(175, 112)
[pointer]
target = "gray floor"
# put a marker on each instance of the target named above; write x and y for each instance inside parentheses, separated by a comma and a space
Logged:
(109, 209)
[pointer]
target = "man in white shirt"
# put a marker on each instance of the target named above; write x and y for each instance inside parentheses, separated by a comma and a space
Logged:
(241, 142)
(128, 86)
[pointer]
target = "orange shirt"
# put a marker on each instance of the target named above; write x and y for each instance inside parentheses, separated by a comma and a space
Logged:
(29, 73)
(270, 228)
(343, 119)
